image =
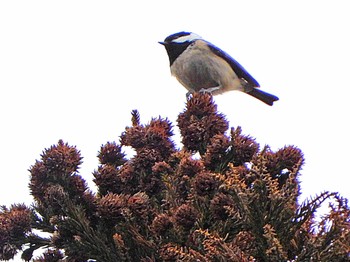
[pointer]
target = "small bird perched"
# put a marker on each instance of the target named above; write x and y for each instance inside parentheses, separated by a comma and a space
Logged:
(202, 67)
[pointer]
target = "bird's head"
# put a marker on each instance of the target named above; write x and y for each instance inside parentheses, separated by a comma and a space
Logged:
(176, 43)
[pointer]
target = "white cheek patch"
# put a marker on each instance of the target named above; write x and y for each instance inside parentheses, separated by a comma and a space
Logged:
(187, 38)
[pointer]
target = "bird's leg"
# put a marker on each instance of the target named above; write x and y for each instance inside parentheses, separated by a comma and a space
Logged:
(210, 89)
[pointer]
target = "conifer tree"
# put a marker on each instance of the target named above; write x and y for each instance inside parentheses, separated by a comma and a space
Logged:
(234, 202)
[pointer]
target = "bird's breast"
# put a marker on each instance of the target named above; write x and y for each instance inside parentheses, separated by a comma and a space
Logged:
(198, 68)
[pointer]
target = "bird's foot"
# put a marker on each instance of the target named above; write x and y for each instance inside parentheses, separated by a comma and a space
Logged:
(210, 89)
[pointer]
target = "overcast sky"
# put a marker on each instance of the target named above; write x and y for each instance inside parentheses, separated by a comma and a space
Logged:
(74, 70)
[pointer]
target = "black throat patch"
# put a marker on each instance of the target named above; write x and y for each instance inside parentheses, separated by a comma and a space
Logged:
(175, 49)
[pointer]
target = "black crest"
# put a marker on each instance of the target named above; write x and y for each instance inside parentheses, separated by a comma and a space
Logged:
(172, 37)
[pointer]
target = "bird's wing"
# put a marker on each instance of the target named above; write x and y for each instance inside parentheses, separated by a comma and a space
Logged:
(239, 70)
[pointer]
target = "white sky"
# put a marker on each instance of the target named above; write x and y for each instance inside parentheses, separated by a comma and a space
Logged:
(75, 69)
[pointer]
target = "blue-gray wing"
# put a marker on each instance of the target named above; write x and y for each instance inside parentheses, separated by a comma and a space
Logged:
(239, 70)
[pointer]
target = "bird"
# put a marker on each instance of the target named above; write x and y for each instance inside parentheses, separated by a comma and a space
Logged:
(202, 67)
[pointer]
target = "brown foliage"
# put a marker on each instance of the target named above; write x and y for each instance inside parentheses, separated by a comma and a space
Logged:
(230, 202)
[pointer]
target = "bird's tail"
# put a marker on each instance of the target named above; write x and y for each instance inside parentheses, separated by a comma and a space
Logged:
(262, 96)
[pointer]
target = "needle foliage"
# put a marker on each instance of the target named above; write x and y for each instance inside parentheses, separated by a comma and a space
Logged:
(220, 197)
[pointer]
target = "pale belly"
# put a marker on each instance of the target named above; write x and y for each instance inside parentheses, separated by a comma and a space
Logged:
(200, 73)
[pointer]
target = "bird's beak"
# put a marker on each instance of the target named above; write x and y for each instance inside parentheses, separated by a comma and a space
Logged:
(162, 43)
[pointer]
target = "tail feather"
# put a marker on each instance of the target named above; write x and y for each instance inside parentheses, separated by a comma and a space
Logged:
(263, 96)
